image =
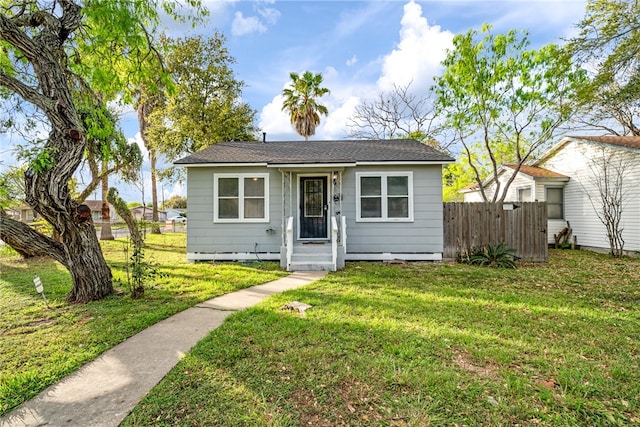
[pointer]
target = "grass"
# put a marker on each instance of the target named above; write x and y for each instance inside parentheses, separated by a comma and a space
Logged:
(423, 345)
(41, 345)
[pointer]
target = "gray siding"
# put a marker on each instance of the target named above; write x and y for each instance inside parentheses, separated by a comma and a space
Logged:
(423, 235)
(205, 236)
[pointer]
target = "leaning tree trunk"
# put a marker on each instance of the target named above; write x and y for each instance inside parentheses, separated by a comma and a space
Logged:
(105, 230)
(125, 213)
(46, 180)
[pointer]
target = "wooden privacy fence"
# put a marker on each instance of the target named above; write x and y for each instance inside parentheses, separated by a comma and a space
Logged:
(521, 225)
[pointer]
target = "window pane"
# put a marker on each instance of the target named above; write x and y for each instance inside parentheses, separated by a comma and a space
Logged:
(554, 211)
(398, 185)
(370, 186)
(524, 194)
(254, 187)
(254, 208)
(228, 187)
(554, 195)
(398, 207)
(371, 207)
(228, 208)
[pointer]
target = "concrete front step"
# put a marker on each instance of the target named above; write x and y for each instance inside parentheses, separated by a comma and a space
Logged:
(312, 266)
(312, 257)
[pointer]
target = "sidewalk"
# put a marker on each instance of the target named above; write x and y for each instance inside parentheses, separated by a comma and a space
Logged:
(104, 391)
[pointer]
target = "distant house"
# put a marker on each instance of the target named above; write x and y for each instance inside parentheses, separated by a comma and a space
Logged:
(172, 212)
(315, 204)
(96, 211)
(27, 214)
(145, 212)
(565, 177)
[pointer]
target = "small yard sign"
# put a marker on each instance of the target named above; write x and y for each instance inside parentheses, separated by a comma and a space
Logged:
(40, 288)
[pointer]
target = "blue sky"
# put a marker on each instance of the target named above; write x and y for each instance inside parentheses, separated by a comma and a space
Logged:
(361, 48)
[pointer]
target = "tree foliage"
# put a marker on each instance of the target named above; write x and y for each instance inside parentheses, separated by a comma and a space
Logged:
(205, 104)
(609, 43)
(176, 202)
(301, 102)
(496, 93)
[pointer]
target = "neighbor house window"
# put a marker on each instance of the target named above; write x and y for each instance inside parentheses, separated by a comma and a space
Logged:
(240, 197)
(524, 194)
(385, 196)
(555, 202)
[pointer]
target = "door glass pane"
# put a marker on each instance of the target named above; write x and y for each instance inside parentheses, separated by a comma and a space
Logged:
(254, 187)
(313, 203)
(398, 185)
(228, 187)
(398, 207)
(370, 186)
(371, 207)
(254, 208)
(228, 208)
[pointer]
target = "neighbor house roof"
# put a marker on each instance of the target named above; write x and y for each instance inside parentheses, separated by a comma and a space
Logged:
(536, 172)
(622, 141)
(316, 152)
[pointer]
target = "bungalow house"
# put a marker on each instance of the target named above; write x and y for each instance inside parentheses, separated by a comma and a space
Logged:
(315, 204)
(145, 212)
(567, 178)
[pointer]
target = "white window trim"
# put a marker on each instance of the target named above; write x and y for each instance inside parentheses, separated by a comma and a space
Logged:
(241, 198)
(564, 202)
(524, 187)
(384, 196)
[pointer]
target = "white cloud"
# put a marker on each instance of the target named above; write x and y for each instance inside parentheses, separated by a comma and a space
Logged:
(418, 55)
(275, 122)
(352, 61)
(269, 14)
(241, 25)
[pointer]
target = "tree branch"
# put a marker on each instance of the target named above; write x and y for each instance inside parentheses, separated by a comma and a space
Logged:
(29, 242)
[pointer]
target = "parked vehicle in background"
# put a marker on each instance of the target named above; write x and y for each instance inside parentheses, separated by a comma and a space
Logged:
(182, 219)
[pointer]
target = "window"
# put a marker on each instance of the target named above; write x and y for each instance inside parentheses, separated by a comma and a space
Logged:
(240, 197)
(555, 202)
(524, 194)
(385, 196)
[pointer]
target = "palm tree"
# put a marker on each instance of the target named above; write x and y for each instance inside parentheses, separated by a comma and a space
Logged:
(300, 101)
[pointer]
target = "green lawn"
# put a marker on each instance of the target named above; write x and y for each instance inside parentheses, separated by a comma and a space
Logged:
(398, 345)
(423, 345)
(40, 345)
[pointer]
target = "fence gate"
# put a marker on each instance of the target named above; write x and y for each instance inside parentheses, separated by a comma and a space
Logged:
(521, 225)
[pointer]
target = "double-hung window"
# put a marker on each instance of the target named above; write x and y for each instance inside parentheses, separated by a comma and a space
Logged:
(384, 196)
(241, 197)
(555, 202)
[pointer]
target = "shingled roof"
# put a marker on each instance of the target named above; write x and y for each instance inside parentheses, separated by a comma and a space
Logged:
(316, 152)
(537, 172)
(622, 141)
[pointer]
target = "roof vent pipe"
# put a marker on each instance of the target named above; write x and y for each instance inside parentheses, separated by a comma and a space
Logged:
(264, 137)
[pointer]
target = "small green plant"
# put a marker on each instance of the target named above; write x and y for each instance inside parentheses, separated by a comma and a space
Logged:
(493, 256)
(138, 269)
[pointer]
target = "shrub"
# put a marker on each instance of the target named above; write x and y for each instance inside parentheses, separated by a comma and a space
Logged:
(493, 256)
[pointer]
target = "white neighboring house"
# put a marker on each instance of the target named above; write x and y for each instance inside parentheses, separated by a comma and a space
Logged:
(566, 178)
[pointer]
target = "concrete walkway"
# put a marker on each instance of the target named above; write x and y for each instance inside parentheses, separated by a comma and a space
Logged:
(104, 391)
